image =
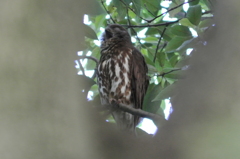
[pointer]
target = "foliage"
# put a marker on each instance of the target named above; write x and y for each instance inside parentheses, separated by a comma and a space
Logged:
(164, 31)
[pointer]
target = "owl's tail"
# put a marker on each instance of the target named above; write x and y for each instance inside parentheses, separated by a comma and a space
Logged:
(124, 120)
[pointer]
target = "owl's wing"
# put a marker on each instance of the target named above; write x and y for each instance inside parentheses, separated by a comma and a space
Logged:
(139, 80)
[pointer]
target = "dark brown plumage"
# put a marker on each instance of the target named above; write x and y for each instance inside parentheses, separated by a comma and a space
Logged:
(122, 74)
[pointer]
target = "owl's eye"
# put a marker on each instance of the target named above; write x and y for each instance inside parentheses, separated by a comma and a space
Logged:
(108, 33)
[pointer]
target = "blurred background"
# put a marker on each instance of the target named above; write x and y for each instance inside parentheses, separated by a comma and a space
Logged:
(44, 114)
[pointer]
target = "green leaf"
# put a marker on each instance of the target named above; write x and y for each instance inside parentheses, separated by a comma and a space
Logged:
(173, 12)
(151, 69)
(151, 39)
(152, 5)
(96, 52)
(168, 66)
(148, 105)
(137, 8)
(168, 35)
(146, 45)
(206, 4)
(131, 14)
(187, 44)
(91, 65)
(158, 66)
(181, 30)
(161, 110)
(121, 8)
(186, 22)
(89, 32)
(149, 61)
(205, 23)
(194, 14)
(163, 82)
(195, 2)
(165, 93)
(94, 89)
(174, 75)
(173, 61)
(144, 51)
(124, 22)
(163, 105)
(161, 58)
(151, 53)
(174, 43)
(99, 21)
(126, 1)
(152, 31)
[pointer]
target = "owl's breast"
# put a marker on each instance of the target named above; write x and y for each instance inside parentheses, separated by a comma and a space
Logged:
(114, 77)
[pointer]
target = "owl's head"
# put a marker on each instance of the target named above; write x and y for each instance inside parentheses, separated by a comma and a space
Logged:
(115, 32)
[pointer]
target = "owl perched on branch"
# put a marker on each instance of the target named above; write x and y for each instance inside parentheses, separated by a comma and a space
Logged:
(122, 75)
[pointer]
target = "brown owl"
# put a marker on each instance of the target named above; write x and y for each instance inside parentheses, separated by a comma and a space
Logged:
(122, 75)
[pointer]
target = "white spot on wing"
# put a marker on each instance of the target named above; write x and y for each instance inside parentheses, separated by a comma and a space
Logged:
(125, 75)
(104, 63)
(123, 89)
(126, 65)
(117, 70)
(115, 84)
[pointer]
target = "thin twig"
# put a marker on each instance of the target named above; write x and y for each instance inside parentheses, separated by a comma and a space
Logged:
(148, 9)
(139, 40)
(107, 12)
(134, 11)
(165, 73)
(164, 45)
(159, 41)
(91, 58)
(81, 67)
(94, 74)
(128, 17)
(153, 25)
(129, 23)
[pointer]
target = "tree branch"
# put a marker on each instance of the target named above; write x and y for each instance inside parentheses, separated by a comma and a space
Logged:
(164, 45)
(152, 25)
(165, 73)
(107, 12)
(134, 11)
(159, 41)
(81, 67)
(91, 58)
(129, 23)
(138, 112)
(148, 9)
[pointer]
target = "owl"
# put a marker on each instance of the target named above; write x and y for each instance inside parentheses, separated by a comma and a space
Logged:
(122, 75)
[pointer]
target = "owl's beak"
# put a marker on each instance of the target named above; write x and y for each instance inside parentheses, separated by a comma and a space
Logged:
(109, 33)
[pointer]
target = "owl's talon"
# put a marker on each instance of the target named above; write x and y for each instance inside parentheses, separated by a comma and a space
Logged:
(113, 101)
